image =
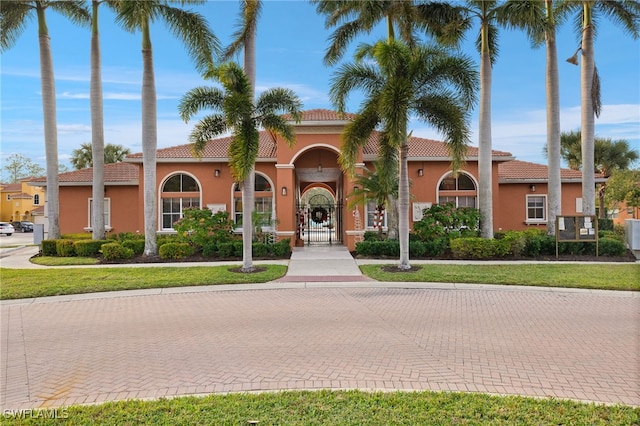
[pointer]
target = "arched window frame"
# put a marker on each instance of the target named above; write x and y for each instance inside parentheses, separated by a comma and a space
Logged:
(265, 201)
(460, 197)
(172, 203)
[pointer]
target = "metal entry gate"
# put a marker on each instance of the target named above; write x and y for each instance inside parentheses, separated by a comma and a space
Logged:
(319, 223)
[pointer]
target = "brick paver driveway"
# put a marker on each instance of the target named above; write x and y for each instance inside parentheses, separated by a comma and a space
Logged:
(564, 344)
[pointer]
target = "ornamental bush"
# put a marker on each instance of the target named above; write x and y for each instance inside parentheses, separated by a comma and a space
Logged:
(175, 250)
(65, 248)
(474, 248)
(442, 219)
(199, 226)
(282, 248)
(89, 248)
(260, 250)
(611, 247)
(137, 245)
(49, 247)
(115, 251)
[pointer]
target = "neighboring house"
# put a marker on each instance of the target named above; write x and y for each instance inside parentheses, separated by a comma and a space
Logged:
(285, 177)
(22, 201)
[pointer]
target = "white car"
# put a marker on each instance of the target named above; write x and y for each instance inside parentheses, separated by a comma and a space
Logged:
(6, 228)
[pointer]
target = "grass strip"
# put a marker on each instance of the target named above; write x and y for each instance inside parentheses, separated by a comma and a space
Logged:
(589, 276)
(345, 408)
(21, 283)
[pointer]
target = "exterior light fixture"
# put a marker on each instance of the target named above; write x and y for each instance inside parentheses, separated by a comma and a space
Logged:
(420, 172)
(532, 188)
(574, 59)
(284, 191)
(216, 172)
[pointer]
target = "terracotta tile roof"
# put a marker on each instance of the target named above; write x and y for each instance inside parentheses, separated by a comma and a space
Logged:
(38, 211)
(215, 149)
(517, 170)
(428, 148)
(21, 195)
(323, 115)
(113, 173)
(11, 186)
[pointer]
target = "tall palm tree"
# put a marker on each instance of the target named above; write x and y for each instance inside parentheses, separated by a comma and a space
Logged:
(245, 38)
(540, 20)
(627, 14)
(236, 111)
(13, 21)
(423, 81)
(489, 14)
(608, 156)
(202, 45)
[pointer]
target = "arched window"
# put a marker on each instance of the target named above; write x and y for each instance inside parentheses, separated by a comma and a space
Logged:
(263, 199)
(460, 190)
(36, 200)
(179, 192)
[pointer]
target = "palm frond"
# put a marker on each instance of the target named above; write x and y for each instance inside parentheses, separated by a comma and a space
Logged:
(250, 12)
(193, 30)
(243, 150)
(14, 18)
(205, 130)
(76, 11)
(199, 98)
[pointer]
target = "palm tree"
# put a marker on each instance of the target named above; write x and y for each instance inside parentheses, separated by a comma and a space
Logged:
(608, 156)
(540, 20)
(353, 18)
(83, 157)
(13, 21)
(627, 14)
(192, 29)
(373, 186)
(423, 81)
(490, 14)
(235, 110)
(245, 38)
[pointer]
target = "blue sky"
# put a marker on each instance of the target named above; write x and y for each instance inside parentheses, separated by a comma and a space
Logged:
(290, 47)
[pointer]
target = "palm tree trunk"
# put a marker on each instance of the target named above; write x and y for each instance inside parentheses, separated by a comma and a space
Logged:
(149, 145)
(50, 126)
(484, 144)
(403, 206)
(554, 201)
(248, 187)
(97, 128)
(587, 115)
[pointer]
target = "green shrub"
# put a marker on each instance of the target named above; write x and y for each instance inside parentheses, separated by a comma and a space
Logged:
(416, 249)
(605, 224)
(65, 248)
(389, 248)
(77, 236)
(175, 250)
(89, 248)
(238, 248)
(442, 219)
(436, 246)
(259, 250)
(49, 247)
(199, 226)
(620, 232)
(167, 238)
(225, 250)
(115, 251)
(137, 245)
(372, 236)
(210, 249)
(281, 249)
(474, 248)
(511, 243)
(125, 236)
(611, 247)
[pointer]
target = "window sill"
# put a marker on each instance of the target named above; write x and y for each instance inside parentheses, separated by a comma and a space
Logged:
(90, 229)
(535, 222)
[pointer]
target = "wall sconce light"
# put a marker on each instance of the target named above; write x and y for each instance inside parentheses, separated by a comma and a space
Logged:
(532, 188)
(216, 172)
(319, 168)
(284, 190)
(420, 172)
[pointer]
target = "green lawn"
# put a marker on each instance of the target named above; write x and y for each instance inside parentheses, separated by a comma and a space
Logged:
(346, 408)
(623, 276)
(22, 283)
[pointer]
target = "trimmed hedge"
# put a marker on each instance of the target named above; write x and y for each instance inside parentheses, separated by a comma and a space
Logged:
(89, 248)
(137, 245)
(611, 247)
(175, 250)
(115, 251)
(49, 248)
(77, 236)
(65, 248)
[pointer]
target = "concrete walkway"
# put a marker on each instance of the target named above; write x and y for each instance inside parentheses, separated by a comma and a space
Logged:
(312, 334)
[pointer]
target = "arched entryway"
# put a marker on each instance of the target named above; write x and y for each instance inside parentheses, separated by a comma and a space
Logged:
(319, 195)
